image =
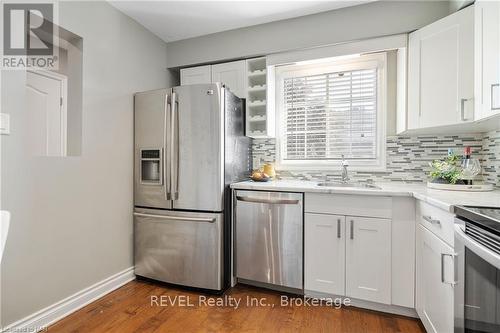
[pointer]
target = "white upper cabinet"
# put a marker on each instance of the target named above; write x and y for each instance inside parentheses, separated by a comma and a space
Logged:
(368, 259)
(487, 54)
(196, 75)
(441, 72)
(324, 257)
(233, 75)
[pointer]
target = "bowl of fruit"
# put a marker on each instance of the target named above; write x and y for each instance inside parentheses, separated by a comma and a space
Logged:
(259, 176)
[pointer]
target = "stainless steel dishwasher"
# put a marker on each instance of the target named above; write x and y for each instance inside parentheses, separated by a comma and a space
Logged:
(269, 239)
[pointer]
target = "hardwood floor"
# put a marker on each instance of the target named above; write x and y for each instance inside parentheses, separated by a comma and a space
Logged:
(138, 307)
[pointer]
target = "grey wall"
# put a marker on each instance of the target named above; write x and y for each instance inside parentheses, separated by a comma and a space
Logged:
(364, 21)
(72, 217)
(459, 4)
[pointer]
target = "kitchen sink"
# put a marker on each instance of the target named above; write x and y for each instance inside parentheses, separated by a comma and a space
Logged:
(353, 185)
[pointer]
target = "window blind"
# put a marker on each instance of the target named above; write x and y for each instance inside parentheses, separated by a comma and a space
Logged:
(329, 115)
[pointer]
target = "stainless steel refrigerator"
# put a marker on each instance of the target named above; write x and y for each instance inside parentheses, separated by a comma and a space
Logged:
(189, 146)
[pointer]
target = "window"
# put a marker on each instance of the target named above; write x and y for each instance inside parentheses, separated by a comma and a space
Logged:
(329, 110)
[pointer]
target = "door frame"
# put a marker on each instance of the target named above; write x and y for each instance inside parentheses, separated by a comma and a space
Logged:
(63, 110)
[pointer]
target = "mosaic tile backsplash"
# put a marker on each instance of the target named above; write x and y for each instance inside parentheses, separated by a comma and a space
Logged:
(408, 157)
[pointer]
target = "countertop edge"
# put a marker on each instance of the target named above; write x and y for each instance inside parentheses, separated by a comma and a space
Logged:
(415, 193)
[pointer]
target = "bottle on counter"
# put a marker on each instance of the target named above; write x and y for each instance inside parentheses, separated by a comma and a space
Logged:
(466, 162)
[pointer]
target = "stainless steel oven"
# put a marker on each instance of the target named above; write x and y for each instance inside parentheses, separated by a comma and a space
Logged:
(477, 268)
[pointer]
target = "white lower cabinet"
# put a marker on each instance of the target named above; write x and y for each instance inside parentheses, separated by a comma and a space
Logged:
(325, 253)
(348, 256)
(434, 297)
(368, 259)
(362, 248)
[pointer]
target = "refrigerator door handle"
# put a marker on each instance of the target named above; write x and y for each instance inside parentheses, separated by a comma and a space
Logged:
(175, 146)
(176, 218)
(166, 153)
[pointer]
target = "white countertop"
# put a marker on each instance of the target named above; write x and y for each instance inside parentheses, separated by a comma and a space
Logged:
(439, 198)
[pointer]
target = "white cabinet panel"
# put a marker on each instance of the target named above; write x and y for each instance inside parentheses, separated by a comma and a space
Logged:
(434, 301)
(438, 221)
(368, 259)
(233, 75)
(324, 269)
(441, 72)
(413, 113)
(196, 75)
(487, 54)
(438, 76)
(403, 252)
(346, 204)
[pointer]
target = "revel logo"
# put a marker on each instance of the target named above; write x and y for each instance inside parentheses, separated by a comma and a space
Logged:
(28, 29)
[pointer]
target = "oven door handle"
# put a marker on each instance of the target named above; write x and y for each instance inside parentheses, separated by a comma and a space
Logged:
(479, 249)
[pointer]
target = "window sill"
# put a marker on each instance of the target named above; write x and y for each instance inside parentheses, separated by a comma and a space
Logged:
(332, 167)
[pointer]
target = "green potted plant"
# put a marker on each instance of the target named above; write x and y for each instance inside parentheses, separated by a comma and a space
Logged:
(447, 171)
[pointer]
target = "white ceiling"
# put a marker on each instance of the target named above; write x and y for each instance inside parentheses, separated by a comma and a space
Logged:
(176, 20)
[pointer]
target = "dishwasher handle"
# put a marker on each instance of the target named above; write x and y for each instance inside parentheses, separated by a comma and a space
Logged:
(268, 201)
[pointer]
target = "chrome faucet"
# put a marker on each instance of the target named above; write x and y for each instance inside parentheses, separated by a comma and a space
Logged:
(345, 176)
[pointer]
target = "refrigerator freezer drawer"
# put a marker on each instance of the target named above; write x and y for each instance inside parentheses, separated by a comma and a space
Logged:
(179, 247)
(269, 232)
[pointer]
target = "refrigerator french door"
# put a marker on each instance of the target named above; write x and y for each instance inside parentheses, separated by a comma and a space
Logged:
(180, 155)
(179, 147)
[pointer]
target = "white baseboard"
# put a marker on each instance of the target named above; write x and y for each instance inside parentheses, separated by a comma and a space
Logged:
(392, 309)
(40, 320)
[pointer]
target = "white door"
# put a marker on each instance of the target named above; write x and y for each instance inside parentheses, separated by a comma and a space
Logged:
(324, 265)
(434, 298)
(441, 72)
(368, 259)
(487, 47)
(46, 107)
(196, 75)
(233, 75)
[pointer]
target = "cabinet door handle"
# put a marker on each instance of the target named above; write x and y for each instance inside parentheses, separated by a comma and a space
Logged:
(462, 108)
(338, 228)
(493, 86)
(352, 229)
(431, 220)
(443, 280)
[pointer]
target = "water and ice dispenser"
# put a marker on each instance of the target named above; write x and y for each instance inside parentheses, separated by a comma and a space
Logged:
(151, 166)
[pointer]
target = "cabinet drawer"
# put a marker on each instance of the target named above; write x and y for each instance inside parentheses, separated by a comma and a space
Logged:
(342, 204)
(438, 221)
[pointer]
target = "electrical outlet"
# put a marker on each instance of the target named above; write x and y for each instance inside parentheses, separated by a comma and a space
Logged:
(4, 123)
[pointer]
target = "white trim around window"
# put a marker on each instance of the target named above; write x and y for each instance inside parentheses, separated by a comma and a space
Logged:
(349, 63)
